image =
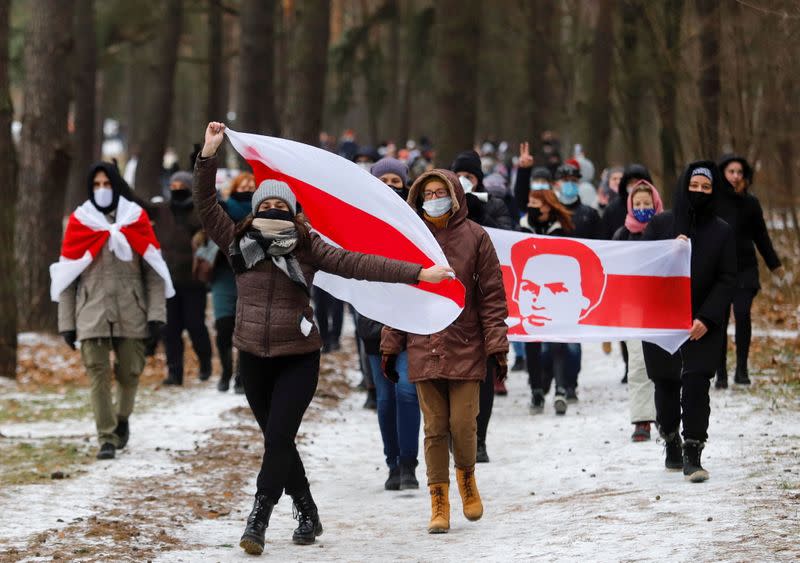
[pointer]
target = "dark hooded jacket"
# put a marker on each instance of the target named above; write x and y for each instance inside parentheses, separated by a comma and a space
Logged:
(490, 213)
(586, 219)
(460, 351)
(617, 209)
(713, 275)
(744, 214)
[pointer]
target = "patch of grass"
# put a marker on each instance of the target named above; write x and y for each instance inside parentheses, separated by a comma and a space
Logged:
(37, 462)
(72, 404)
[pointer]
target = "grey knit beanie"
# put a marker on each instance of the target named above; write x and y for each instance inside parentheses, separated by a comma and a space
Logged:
(389, 165)
(274, 189)
(184, 178)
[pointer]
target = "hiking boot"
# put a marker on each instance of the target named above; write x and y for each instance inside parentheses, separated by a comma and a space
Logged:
(673, 459)
(481, 455)
(408, 478)
(722, 381)
(393, 482)
(107, 451)
(741, 377)
(122, 431)
(440, 508)
(172, 379)
(641, 432)
(560, 403)
(372, 400)
(537, 402)
(692, 470)
(572, 395)
(519, 364)
(223, 384)
(257, 523)
(204, 374)
(470, 497)
(309, 526)
(500, 388)
(238, 386)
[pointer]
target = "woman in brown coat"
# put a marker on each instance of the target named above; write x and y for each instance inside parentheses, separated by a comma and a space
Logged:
(448, 366)
(274, 258)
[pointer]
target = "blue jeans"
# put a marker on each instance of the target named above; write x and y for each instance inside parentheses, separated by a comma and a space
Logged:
(519, 349)
(398, 413)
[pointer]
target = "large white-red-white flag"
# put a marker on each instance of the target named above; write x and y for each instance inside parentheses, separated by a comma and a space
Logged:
(574, 290)
(352, 209)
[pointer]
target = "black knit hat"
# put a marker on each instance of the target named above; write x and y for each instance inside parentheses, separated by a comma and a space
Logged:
(541, 173)
(468, 161)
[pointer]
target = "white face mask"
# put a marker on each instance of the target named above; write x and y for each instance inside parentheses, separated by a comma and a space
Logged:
(465, 183)
(365, 165)
(103, 197)
(438, 207)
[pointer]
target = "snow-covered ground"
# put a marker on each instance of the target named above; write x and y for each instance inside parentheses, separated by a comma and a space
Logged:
(570, 488)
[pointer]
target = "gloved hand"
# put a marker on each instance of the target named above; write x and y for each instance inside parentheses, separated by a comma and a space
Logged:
(389, 367)
(499, 364)
(70, 336)
(154, 331)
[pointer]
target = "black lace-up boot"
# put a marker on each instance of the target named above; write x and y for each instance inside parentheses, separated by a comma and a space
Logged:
(257, 523)
(309, 526)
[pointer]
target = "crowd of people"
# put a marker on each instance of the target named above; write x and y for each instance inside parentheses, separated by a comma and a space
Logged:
(251, 247)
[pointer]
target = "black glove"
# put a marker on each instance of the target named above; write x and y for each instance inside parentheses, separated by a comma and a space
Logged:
(154, 331)
(499, 364)
(70, 336)
(389, 367)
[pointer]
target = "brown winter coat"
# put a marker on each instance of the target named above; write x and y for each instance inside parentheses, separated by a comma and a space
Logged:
(459, 351)
(270, 306)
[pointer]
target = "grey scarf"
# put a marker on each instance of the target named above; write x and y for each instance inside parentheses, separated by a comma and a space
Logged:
(269, 237)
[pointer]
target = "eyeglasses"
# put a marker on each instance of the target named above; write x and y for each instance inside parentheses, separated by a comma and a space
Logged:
(438, 193)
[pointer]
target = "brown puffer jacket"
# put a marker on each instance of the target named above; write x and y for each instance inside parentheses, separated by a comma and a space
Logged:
(270, 307)
(460, 350)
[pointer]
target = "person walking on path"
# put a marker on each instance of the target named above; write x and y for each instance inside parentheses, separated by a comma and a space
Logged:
(274, 256)
(448, 366)
(116, 303)
(682, 380)
(742, 211)
(644, 203)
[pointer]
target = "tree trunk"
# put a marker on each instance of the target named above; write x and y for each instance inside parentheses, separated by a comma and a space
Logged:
(541, 43)
(256, 112)
(709, 82)
(308, 63)
(84, 138)
(456, 40)
(630, 80)
(215, 109)
(8, 196)
(159, 81)
(44, 159)
(602, 65)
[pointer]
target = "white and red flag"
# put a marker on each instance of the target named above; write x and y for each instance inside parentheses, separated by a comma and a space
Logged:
(352, 209)
(88, 230)
(573, 290)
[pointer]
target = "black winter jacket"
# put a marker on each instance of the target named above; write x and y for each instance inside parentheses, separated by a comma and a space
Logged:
(713, 275)
(586, 220)
(492, 213)
(617, 208)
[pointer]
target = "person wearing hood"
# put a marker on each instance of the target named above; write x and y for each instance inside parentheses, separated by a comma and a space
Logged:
(609, 186)
(275, 255)
(448, 366)
(644, 203)
(617, 209)
(682, 380)
(586, 188)
(176, 223)
(487, 211)
(742, 211)
(113, 305)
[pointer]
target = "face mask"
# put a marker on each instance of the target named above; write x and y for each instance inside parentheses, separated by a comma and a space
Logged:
(700, 202)
(277, 214)
(534, 215)
(569, 192)
(402, 192)
(437, 207)
(243, 197)
(644, 215)
(181, 195)
(103, 197)
(465, 183)
(365, 165)
(535, 186)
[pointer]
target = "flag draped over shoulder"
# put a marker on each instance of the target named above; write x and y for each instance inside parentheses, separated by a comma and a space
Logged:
(352, 209)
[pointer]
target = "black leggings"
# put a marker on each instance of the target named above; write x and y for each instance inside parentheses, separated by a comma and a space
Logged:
(279, 391)
(543, 368)
(742, 303)
(486, 404)
(684, 400)
(186, 310)
(224, 327)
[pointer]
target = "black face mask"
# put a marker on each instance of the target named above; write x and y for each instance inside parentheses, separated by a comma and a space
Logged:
(181, 195)
(402, 192)
(277, 214)
(244, 197)
(700, 202)
(534, 215)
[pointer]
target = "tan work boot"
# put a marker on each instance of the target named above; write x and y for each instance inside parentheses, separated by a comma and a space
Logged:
(440, 508)
(470, 497)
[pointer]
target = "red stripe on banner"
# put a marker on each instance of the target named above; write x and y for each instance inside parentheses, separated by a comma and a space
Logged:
(354, 229)
(78, 238)
(632, 302)
(140, 234)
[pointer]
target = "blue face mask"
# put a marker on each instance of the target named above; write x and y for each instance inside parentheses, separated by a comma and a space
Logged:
(535, 186)
(644, 215)
(569, 192)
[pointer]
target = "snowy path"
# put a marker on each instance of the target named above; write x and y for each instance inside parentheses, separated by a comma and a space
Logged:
(567, 488)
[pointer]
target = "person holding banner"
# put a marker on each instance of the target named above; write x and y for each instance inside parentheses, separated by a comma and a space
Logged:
(682, 382)
(448, 366)
(274, 256)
